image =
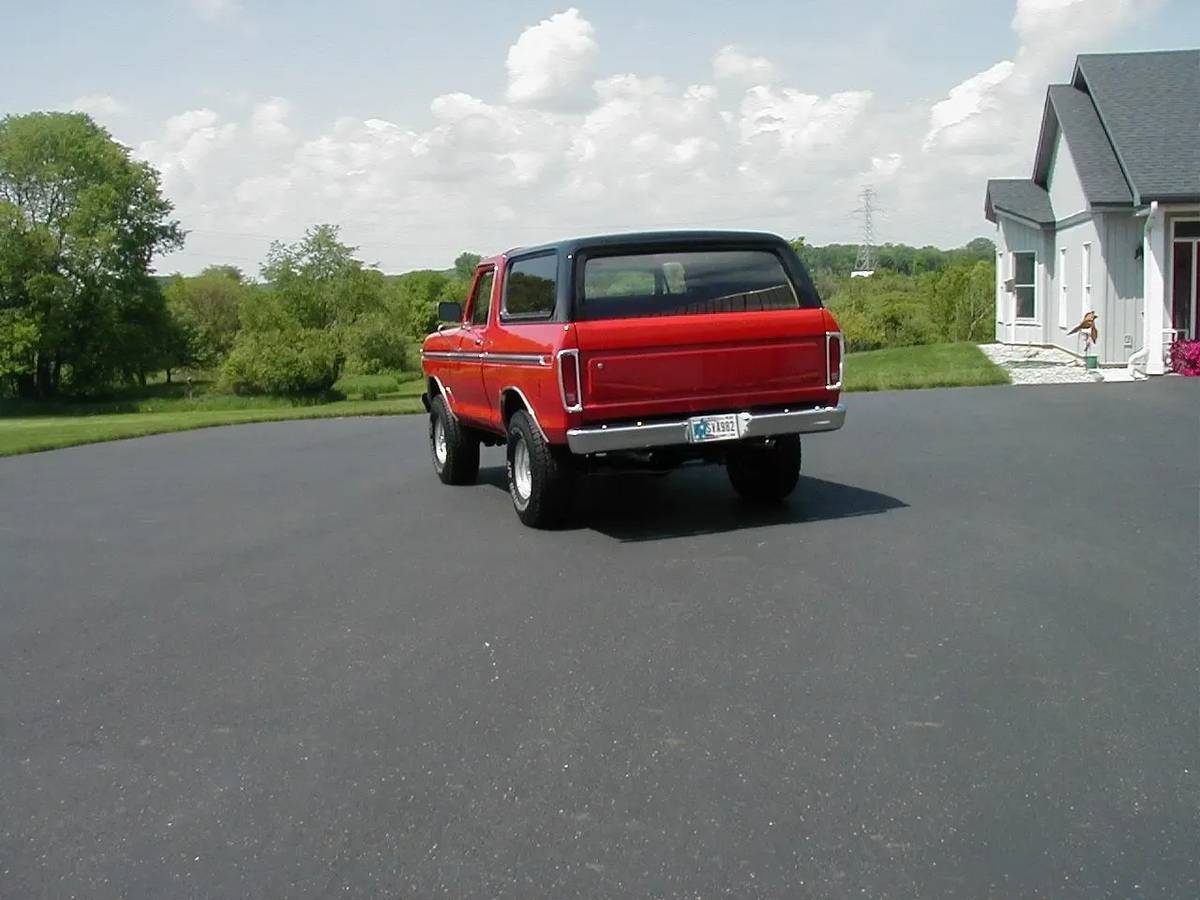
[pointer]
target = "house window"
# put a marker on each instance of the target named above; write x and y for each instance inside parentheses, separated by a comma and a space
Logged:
(1025, 284)
(1085, 281)
(1062, 287)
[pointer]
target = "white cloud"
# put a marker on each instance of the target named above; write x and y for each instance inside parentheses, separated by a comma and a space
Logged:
(732, 64)
(551, 60)
(960, 117)
(562, 152)
(268, 121)
(884, 168)
(214, 10)
(99, 106)
(185, 155)
(795, 123)
(999, 105)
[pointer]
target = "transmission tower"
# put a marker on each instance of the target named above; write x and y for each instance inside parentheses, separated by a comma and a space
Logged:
(864, 263)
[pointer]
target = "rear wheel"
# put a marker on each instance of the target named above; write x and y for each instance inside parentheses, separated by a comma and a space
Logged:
(541, 478)
(766, 472)
(455, 450)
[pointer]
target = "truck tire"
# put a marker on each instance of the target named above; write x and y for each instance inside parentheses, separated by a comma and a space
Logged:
(541, 478)
(454, 448)
(768, 472)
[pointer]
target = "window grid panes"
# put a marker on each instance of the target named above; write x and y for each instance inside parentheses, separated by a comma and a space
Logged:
(1025, 288)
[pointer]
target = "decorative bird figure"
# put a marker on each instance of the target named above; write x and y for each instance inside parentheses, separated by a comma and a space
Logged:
(1087, 326)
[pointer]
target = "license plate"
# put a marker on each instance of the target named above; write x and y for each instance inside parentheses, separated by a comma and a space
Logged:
(713, 428)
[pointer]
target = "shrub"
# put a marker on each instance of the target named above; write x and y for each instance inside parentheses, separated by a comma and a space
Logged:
(1185, 357)
(369, 393)
(299, 361)
(377, 342)
(891, 319)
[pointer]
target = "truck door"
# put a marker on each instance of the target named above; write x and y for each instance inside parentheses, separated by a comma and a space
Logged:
(473, 402)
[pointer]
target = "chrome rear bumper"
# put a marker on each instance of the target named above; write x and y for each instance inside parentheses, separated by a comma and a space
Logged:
(608, 438)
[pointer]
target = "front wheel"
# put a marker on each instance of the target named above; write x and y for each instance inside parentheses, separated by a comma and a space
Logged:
(541, 478)
(767, 472)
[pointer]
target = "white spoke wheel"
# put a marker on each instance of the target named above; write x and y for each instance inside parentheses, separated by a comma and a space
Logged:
(541, 478)
(439, 442)
(522, 475)
(455, 449)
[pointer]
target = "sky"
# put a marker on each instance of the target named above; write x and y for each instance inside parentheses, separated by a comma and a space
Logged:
(424, 129)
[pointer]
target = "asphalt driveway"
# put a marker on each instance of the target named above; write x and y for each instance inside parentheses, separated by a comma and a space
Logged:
(282, 660)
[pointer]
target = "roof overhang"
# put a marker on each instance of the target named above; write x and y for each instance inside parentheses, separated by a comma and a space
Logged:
(1017, 217)
(1045, 144)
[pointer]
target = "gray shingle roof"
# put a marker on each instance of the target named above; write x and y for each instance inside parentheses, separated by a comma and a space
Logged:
(1019, 196)
(1097, 166)
(1149, 104)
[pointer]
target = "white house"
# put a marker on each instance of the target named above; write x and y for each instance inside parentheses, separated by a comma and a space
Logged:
(1110, 220)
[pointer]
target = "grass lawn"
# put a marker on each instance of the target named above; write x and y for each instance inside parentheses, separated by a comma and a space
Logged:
(26, 427)
(934, 365)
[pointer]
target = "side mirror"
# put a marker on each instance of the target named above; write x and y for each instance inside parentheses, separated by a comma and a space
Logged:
(449, 312)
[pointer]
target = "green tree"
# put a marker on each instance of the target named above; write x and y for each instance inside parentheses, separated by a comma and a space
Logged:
(319, 310)
(418, 294)
(80, 222)
(962, 300)
(465, 263)
(205, 308)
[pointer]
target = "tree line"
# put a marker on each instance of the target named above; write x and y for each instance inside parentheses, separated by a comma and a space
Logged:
(82, 312)
(917, 295)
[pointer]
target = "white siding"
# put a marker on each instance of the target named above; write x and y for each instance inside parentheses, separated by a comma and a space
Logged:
(1116, 285)
(1072, 240)
(1119, 269)
(1017, 237)
(1062, 181)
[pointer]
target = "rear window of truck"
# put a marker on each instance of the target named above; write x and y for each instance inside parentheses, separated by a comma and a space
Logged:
(530, 288)
(685, 283)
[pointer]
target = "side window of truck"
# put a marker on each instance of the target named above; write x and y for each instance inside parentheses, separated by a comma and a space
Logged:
(481, 300)
(531, 287)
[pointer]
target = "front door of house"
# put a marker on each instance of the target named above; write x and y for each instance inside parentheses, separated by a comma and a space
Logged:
(1185, 278)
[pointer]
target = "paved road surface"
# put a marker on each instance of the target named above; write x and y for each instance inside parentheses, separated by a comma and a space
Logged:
(281, 660)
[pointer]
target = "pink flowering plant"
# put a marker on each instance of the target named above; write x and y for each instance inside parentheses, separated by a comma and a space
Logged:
(1185, 357)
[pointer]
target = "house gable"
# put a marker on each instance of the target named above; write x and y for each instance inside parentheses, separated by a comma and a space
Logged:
(1062, 182)
(1148, 105)
(1070, 117)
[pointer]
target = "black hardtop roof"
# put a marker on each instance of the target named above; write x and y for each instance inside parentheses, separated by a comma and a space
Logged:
(649, 238)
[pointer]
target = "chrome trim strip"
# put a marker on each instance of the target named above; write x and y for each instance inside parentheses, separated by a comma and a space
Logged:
(516, 359)
(841, 360)
(605, 438)
(562, 390)
(490, 359)
(528, 407)
(449, 397)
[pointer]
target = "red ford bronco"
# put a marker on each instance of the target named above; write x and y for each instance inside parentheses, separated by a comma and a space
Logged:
(636, 351)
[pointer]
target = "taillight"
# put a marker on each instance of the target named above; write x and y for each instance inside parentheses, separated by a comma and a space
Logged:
(570, 385)
(833, 360)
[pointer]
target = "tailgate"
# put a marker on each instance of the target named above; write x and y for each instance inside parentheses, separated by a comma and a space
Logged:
(700, 363)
